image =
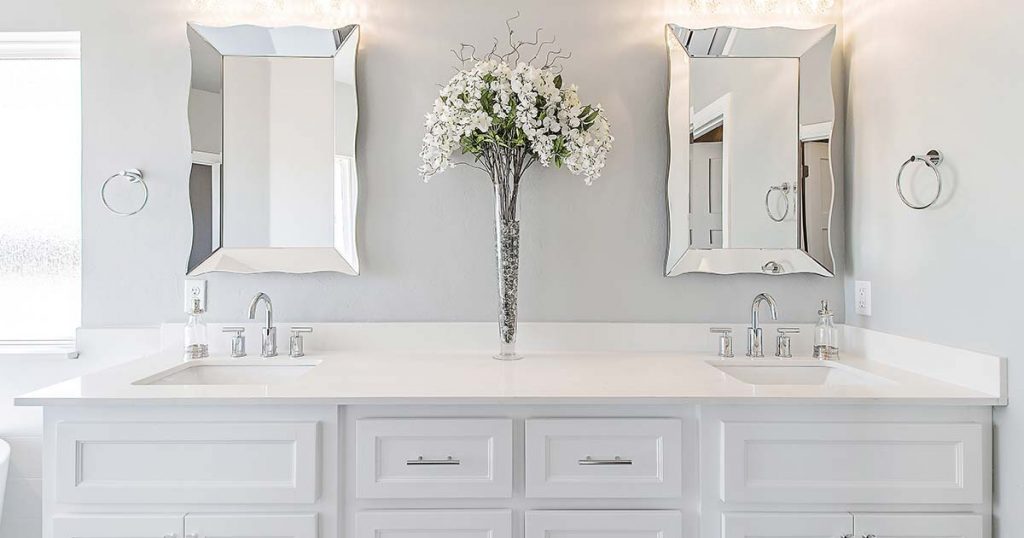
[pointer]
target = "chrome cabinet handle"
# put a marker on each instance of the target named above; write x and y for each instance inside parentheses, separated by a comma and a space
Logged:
(616, 461)
(869, 536)
(421, 461)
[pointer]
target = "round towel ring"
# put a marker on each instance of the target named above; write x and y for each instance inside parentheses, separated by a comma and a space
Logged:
(133, 175)
(932, 160)
(784, 189)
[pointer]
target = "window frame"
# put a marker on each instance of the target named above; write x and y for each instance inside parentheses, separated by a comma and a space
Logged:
(63, 45)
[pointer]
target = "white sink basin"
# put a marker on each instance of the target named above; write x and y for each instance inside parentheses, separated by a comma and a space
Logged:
(795, 372)
(231, 372)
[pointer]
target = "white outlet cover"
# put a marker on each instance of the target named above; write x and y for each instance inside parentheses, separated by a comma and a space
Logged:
(862, 297)
(195, 289)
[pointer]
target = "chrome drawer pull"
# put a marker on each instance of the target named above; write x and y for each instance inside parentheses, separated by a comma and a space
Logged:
(420, 461)
(617, 461)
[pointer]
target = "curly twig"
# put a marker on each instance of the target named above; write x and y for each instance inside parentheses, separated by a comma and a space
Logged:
(516, 50)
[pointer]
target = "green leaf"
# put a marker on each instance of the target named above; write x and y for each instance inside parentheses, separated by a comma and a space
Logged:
(558, 82)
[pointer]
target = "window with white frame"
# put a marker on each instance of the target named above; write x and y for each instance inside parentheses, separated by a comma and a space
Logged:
(40, 188)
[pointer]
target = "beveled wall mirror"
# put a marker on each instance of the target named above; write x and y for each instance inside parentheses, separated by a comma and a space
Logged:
(751, 117)
(272, 116)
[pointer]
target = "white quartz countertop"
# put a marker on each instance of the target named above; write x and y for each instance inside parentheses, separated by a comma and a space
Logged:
(475, 378)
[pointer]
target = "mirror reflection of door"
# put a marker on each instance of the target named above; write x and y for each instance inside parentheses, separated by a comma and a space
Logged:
(706, 191)
(817, 198)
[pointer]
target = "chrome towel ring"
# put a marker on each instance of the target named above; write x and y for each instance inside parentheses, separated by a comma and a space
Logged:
(133, 175)
(932, 160)
(784, 189)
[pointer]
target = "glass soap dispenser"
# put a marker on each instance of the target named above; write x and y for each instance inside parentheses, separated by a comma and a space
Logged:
(196, 346)
(826, 335)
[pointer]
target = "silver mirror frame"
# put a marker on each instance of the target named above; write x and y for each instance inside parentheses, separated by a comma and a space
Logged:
(681, 258)
(209, 45)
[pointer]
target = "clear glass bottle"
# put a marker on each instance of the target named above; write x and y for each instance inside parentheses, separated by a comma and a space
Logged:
(196, 344)
(826, 335)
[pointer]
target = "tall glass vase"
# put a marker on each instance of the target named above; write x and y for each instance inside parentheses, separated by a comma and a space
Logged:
(506, 227)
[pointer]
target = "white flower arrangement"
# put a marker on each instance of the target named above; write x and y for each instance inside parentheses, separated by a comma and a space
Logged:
(508, 114)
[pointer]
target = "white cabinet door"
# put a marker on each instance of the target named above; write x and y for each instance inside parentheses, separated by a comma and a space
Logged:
(434, 524)
(603, 523)
(119, 526)
(881, 462)
(191, 462)
(919, 525)
(250, 526)
(779, 525)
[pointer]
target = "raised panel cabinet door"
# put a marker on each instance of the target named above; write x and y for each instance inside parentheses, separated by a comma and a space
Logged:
(251, 526)
(603, 524)
(919, 525)
(119, 526)
(458, 458)
(187, 462)
(434, 524)
(610, 458)
(795, 525)
(852, 462)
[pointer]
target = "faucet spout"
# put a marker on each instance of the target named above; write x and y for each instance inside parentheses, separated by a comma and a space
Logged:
(269, 332)
(755, 335)
(754, 307)
(270, 308)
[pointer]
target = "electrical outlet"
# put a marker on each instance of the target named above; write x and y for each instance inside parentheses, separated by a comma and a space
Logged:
(195, 289)
(862, 297)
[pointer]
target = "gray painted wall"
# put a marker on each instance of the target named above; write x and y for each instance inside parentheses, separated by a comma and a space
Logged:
(952, 274)
(588, 253)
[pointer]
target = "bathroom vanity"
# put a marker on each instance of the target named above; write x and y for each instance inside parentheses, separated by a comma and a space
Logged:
(393, 444)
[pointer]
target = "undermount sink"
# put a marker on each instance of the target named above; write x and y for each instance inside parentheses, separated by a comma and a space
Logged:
(795, 372)
(231, 372)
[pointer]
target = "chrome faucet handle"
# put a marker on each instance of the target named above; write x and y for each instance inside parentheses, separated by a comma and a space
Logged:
(724, 341)
(237, 341)
(295, 342)
(783, 342)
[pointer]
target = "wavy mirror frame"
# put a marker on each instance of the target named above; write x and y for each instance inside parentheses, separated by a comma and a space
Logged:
(809, 46)
(208, 47)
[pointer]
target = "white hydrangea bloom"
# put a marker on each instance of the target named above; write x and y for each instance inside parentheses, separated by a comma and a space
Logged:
(557, 127)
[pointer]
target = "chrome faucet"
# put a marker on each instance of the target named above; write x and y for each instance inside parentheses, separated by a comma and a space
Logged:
(755, 335)
(269, 346)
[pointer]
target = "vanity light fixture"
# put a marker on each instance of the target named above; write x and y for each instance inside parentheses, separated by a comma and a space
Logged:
(326, 13)
(756, 7)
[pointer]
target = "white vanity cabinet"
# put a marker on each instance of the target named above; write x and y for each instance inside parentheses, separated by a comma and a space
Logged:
(558, 470)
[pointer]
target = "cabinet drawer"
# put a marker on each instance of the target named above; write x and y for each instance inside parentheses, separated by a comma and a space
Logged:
(433, 458)
(434, 524)
(851, 462)
(607, 523)
(603, 458)
(187, 462)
